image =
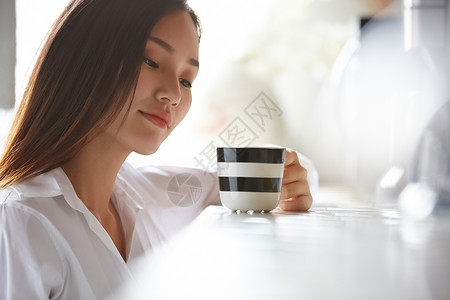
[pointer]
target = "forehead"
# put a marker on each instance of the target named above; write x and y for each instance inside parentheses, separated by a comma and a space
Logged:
(179, 31)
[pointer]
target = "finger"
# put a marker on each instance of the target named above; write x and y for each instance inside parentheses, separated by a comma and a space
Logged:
(291, 158)
(301, 203)
(295, 189)
(294, 173)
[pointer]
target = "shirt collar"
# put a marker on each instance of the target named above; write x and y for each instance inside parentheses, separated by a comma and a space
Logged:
(50, 184)
(43, 185)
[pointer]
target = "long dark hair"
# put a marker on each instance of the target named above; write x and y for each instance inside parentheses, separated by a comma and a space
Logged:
(84, 75)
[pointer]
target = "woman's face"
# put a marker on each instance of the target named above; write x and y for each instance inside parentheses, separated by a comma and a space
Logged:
(163, 92)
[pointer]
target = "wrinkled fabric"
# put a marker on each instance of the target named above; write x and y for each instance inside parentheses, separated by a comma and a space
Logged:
(52, 246)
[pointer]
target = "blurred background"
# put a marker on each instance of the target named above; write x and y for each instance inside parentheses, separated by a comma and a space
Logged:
(358, 86)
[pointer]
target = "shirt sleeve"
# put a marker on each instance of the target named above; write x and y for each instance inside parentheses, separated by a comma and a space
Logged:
(185, 186)
(171, 197)
(313, 175)
(30, 263)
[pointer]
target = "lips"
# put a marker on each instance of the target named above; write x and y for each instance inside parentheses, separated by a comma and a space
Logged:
(160, 119)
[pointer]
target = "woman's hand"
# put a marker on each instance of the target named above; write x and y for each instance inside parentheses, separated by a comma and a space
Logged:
(295, 193)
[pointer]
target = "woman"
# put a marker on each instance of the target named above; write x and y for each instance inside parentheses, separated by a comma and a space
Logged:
(113, 77)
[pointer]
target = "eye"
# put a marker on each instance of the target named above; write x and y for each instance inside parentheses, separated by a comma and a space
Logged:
(185, 83)
(150, 63)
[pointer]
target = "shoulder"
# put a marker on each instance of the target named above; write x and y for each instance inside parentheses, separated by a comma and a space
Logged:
(16, 215)
(15, 209)
(24, 226)
(46, 185)
(31, 255)
(24, 199)
(25, 207)
(7, 194)
(25, 219)
(11, 199)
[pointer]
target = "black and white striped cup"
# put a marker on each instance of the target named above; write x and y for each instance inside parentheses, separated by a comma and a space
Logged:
(250, 178)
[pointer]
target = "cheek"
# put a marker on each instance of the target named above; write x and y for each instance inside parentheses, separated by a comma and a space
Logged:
(115, 126)
(184, 108)
(142, 87)
(181, 112)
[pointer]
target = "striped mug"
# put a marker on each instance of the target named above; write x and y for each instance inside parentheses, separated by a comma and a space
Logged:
(250, 177)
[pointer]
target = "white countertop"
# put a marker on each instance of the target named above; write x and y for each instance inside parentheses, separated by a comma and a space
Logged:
(326, 253)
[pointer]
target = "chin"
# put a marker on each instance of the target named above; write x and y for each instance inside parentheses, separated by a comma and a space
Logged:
(146, 149)
(147, 146)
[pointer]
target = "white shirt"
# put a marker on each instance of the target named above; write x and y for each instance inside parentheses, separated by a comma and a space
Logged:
(52, 246)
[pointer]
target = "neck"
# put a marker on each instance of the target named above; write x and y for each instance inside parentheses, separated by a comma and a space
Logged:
(93, 172)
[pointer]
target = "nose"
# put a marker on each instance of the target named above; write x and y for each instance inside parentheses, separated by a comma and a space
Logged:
(169, 90)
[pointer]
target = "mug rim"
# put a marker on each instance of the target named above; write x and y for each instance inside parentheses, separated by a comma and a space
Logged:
(251, 155)
(252, 147)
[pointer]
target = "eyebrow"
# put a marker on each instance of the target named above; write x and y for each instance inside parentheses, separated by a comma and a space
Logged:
(170, 49)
